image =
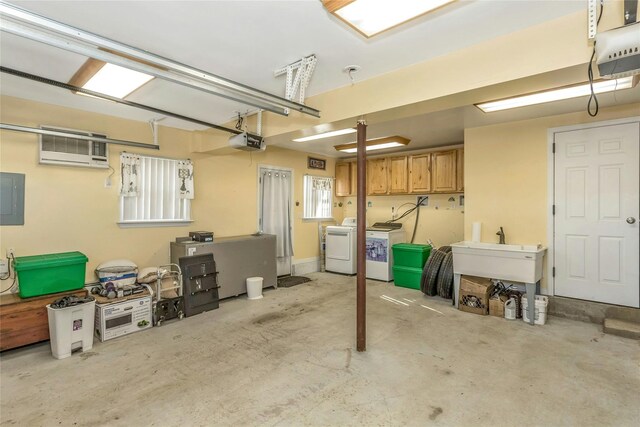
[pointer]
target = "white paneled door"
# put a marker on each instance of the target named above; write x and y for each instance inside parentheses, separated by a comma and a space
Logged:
(596, 214)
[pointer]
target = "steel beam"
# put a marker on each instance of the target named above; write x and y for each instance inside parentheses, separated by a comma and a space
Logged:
(361, 291)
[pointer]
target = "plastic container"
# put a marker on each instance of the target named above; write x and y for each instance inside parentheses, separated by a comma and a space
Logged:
(510, 309)
(540, 316)
(50, 273)
(254, 288)
(410, 254)
(407, 277)
(71, 328)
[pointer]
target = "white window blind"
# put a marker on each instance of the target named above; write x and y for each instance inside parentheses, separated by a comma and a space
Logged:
(318, 197)
(153, 190)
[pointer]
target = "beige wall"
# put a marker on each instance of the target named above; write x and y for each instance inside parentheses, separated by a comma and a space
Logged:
(68, 208)
(441, 221)
(506, 175)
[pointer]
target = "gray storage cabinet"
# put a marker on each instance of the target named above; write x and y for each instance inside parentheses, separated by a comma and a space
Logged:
(237, 258)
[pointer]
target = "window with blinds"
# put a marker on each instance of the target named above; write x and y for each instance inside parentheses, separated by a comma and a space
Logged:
(318, 197)
(151, 191)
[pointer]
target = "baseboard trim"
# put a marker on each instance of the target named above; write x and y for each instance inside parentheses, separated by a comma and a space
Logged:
(590, 311)
(305, 266)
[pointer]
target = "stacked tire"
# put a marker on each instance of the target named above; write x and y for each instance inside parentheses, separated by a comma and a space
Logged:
(437, 276)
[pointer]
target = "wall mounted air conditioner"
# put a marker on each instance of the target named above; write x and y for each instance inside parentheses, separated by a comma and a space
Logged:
(69, 151)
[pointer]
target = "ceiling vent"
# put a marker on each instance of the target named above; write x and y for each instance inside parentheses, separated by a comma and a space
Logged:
(70, 151)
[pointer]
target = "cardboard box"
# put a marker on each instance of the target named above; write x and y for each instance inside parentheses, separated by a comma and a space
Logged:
(496, 306)
(119, 317)
(474, 294)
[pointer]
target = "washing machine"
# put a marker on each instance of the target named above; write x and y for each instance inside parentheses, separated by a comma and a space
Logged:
(380, 238)
(340, 247)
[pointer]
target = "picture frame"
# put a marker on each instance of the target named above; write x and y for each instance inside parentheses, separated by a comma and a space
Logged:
(314, 163)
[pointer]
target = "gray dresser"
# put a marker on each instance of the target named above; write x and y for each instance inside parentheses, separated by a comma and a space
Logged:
(237, 258)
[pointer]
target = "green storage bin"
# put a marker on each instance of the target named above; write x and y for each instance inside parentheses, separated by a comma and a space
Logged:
(410, 254)
(50, 273)
(407, 277)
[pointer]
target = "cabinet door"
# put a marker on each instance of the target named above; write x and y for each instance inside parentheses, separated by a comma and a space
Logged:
(377, 176)
(398, 182)
(444, 171)
(354, 178)
(460, 169)
(420, 173)
(343, 179)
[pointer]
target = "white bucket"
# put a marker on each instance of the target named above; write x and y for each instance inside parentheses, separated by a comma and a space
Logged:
(71, 328)
(254, 287)
(540, 315)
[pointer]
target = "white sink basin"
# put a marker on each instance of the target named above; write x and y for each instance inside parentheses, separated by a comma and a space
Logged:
(514, 263)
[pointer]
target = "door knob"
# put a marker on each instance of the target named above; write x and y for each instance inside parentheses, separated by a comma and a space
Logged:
(631, 220)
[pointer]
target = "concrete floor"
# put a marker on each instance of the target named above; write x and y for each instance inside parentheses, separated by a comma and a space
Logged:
(289, 359)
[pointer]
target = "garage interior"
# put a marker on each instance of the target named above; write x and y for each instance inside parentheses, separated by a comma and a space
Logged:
(256, 200)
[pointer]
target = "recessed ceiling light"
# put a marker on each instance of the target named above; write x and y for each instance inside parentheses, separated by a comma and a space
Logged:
(371, 17)
(374, 144)
(558, 94)
(326, 135)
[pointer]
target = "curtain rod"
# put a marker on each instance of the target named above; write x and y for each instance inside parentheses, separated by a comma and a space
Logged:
(17, 128)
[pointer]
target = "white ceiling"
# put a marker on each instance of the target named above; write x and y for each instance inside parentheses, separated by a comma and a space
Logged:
(246, 41)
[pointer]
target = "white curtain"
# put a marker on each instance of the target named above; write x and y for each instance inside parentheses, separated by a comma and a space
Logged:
(276, 215)
(317, 196)
(158, 197)
(129, 174)
(185, 179)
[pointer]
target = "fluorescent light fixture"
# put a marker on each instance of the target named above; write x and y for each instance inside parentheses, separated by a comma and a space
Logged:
(375, 144)
(370, 17)
(326, 135)
(117, 81)
(558, 94)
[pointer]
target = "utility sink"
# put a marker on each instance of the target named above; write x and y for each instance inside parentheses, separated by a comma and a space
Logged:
(514, 263)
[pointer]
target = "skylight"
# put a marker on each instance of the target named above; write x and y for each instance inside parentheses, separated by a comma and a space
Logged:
(116, 81)
(371, 17)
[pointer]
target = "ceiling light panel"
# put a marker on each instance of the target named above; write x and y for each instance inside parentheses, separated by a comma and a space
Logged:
(556, 94)
(371, 17)
(116, 81)
(326, 135)
(374, 144)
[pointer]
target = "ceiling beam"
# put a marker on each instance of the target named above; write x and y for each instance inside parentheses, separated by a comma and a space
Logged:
(26, 24)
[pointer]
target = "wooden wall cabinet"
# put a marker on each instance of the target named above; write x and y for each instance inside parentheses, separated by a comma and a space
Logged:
(444, 165)
(343, 179)
(420, 173)
(460, 169)
(354, 178)
(377, 176)
(398, 175)
(423, 173)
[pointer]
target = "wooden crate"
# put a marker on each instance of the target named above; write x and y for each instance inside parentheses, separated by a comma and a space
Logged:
(474, 294)
(24, 320)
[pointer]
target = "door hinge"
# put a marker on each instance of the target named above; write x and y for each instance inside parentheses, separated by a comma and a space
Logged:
(553, 209)
(553, 148)
(553, 272)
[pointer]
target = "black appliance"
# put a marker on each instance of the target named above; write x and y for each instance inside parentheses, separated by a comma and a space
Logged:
(200, 283)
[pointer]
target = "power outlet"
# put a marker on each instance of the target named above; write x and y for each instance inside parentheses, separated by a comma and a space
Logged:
(11, 252)
(422, 201)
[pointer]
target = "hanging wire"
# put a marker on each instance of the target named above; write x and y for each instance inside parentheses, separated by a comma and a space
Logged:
(593, 99)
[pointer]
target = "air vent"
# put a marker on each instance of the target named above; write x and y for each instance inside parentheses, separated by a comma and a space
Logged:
(70, 151)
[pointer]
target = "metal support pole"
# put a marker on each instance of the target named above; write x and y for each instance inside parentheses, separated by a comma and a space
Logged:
(361, 292)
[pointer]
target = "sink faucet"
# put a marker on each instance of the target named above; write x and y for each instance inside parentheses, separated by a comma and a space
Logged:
(501, 234)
